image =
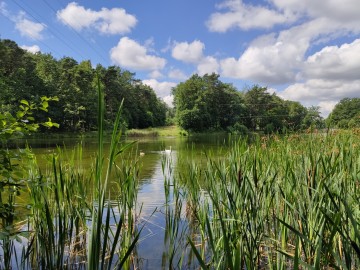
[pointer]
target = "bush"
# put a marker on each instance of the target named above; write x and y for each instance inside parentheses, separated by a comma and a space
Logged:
(269, 128)
(239, 128)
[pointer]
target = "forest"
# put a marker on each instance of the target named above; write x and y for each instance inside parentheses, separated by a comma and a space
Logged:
(26, 76)
(201, 103)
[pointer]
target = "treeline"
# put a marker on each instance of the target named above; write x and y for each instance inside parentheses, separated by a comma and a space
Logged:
(26, 76)
(205, 103)
(202, 103)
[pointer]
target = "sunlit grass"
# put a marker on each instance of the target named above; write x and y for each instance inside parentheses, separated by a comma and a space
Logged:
(169, 131)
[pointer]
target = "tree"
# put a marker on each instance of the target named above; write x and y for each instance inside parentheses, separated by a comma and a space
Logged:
(266, 111)
(313, 118)
(344, 112)
(257, 101)
(203, 103)
(296, 115)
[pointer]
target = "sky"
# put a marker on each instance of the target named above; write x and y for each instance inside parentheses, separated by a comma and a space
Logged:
(306, 51)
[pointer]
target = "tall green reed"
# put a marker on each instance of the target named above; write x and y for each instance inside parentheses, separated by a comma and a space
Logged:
(73, 223)
(99, 233)
(280, 203)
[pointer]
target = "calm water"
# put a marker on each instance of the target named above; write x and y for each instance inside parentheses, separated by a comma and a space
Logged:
(152, 248)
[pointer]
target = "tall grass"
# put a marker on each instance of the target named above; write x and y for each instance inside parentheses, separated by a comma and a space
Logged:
(279, 203)
(72, 224)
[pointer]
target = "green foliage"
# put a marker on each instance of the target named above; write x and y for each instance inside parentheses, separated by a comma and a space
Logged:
(206, 103)
(239, 128)
(15, 126)
(12, 176)
(313, 118)
(26, 76)
(346, 113)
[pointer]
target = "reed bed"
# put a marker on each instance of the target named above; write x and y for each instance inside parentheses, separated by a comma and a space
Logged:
(289, 202)
(277, 203)
(75, 221)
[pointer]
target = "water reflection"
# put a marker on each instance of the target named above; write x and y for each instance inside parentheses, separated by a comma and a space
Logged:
(162, 205)
(151, 197)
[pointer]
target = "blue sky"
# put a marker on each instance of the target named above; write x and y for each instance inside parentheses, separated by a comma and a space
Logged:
(308, 51)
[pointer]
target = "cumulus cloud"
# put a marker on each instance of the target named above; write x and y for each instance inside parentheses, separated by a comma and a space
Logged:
(243, 16)
(106, 21)
(169, 100)
(26, 27)
(208, 65)
(316, 90)
(329, 75)
(193, 53)
(130, 54)
(346, 10)
(32, 49)
(29, 28)
(155, 74)
(281, 58)
(326, 107)
(188, 52)
(335, 63)
(273, 63)
(237, 14)
(177, 74)
(162, 89)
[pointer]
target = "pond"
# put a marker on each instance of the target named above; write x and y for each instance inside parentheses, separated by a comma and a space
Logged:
(212, 202)
(152, 250)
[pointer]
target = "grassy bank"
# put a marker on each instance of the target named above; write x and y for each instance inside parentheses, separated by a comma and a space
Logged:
(168, 131)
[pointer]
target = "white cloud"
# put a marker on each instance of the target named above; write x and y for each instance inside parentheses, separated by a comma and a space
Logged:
(326, 107)
(243, 16)
(272, 63)
(162, 89)
(188, 52)
(29, 28)
(155, 74)
(3, 9)
(32, 49)
(316, 90)
(169, 100)
(345, 10)
(177, 74)
(280, 58)
(106, 21)
(335, 63)
(193, 53)
(128, 53)
(330, 75)
(208, 65)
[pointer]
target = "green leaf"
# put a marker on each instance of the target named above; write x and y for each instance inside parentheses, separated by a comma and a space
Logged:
(23, 101)
(20, 114)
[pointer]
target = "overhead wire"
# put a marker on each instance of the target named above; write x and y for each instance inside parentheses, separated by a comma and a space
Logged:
(28, 10)
(42, 43)
(79, 35)
(58, 34)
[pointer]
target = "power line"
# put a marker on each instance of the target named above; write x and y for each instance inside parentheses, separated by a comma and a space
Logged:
(58, 34)
(80, 36)
(26, 10)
